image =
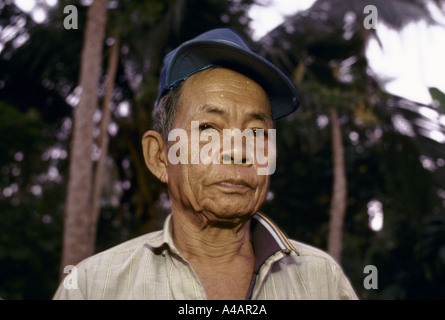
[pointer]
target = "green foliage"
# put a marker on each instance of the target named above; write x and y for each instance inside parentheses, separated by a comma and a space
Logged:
(19, 131)
(30, 219)
(439, 98)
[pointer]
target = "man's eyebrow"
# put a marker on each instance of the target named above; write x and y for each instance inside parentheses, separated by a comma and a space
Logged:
(261, 116)
(211, 108)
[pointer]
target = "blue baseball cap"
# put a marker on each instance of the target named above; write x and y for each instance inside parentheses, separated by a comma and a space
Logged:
(224, 48)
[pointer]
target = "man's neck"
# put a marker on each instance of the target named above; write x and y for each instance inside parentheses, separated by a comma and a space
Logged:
(198, 238)
(221, 254)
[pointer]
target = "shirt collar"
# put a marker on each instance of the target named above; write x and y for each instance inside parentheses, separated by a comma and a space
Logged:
(267, 239)
(163, 238)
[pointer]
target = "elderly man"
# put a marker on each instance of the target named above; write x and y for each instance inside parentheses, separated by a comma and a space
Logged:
(215, 244)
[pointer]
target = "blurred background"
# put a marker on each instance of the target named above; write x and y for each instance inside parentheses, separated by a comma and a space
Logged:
(361, 165)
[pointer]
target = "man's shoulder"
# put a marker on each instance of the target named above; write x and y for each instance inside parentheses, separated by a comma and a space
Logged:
(104, 269)
(128, 246)
(306, 250)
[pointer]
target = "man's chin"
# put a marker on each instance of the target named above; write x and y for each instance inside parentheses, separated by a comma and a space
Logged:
(227, 220)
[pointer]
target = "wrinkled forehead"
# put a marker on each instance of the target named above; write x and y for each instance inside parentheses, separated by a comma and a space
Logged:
(224, 91)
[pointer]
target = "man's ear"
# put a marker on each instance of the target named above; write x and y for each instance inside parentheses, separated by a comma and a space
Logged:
(153, 146)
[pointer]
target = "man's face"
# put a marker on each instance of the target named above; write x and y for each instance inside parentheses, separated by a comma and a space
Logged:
(220, 99)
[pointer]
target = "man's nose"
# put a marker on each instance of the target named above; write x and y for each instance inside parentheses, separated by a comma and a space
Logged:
(233, 159)
(237, 151)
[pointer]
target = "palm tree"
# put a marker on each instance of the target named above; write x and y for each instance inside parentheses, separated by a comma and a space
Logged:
(76, 237)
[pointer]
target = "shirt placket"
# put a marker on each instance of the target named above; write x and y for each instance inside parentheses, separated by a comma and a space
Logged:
(265, 271)
(182, 276)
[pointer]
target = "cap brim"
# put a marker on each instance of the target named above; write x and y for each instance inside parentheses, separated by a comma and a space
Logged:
(195, 56)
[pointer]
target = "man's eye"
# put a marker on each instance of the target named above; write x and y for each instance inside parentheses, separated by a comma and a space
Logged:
(259, 132)
(206, 127)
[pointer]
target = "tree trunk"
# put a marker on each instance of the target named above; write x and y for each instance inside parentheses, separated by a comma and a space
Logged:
(103, 141)
(339, 191)
(78, 203)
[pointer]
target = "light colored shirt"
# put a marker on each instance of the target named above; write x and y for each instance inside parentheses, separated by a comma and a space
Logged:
(151, 267)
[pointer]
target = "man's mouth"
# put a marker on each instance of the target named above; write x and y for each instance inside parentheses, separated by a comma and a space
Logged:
(235, 185)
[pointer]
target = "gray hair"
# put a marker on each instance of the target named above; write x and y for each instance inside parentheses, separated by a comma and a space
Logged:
(165, 110)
